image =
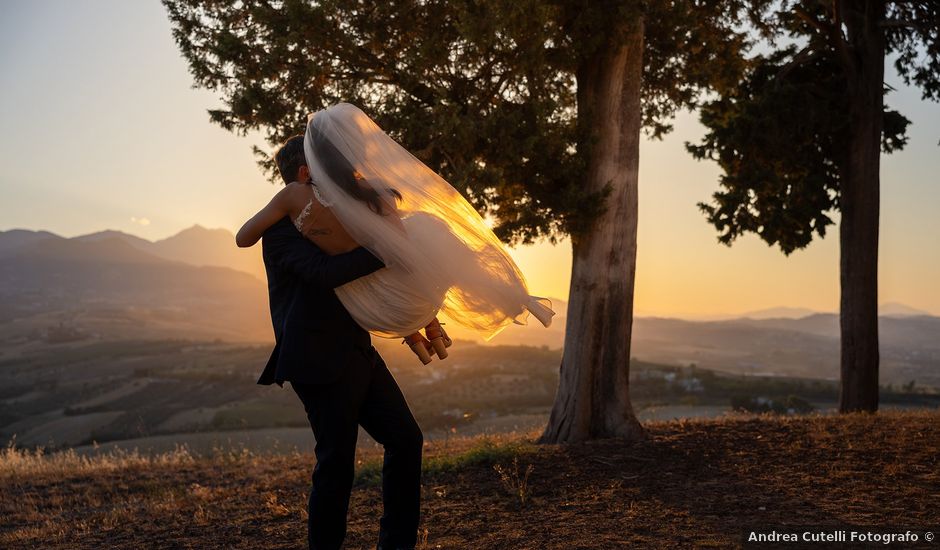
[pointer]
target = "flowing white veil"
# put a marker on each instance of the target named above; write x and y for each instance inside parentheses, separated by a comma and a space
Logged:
(431, 235)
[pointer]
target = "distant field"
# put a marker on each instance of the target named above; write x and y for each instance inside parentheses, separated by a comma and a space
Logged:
(289, 440)
(155, 394)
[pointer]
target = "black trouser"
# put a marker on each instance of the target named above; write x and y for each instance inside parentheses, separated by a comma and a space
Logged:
(366, 394)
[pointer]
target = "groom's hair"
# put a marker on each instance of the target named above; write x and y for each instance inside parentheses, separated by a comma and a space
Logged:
(290, 157)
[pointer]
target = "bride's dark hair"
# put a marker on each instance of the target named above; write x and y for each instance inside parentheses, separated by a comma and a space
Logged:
(344, 174)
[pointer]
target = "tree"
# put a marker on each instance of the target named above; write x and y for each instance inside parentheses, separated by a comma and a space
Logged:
(801, 137)
(532, 109)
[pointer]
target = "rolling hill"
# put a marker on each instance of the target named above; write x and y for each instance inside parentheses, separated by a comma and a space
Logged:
(109, 286)
(197, 284)
(197, 246)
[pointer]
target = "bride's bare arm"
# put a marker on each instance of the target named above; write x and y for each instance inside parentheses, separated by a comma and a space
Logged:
(251, 232)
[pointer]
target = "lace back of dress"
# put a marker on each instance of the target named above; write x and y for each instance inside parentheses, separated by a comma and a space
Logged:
(302, 217)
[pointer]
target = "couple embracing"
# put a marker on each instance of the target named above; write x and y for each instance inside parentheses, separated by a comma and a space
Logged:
(366, 239)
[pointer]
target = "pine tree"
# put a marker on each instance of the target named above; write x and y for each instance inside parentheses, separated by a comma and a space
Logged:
(532, 109)
(802, 136)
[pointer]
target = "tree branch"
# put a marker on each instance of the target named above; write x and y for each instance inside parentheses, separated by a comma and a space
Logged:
(896, 23)
(837, 39)
(805, 55)
(820, 27)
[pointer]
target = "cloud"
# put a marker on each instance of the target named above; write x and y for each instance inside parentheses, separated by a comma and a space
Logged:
(140, 221)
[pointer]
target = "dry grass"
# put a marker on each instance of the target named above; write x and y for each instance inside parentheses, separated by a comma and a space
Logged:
(515, 483)
(16, 462)
(694, 483)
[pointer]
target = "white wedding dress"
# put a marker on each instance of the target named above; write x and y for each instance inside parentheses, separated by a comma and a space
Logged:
(440, 256)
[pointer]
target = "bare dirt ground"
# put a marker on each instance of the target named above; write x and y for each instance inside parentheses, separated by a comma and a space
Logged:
(692, 484)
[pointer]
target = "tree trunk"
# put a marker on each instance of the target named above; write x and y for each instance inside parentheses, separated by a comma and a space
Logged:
(859, 204)
(593, 398)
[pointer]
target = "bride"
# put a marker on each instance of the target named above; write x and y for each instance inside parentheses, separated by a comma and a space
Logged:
(348, 185)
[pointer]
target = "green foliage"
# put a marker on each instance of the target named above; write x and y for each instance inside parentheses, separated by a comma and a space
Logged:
(781, 135)
(774, 140)
(912, 32)
(483, 452)
(485, 93)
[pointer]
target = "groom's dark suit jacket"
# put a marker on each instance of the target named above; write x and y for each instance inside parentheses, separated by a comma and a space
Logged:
(314, 333)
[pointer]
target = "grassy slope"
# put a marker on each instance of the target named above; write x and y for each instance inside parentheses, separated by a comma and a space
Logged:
(694, 483)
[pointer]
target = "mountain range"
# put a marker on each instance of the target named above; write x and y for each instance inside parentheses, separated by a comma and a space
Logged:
(198, 285)
(196, 245)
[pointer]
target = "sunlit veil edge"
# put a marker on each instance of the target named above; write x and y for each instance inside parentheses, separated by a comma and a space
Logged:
(464, 261)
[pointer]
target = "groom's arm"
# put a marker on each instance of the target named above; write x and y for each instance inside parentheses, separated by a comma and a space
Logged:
(283, 246)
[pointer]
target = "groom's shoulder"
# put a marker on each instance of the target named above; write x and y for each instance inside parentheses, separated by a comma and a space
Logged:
(280, 235)
(281, 227)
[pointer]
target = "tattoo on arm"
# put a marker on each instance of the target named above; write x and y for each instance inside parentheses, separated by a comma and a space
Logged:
(315, 231)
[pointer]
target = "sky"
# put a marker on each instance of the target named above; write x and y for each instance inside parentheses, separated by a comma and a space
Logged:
(100, 128)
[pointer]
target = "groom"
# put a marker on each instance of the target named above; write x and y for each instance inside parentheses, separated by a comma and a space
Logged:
(339, 377)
